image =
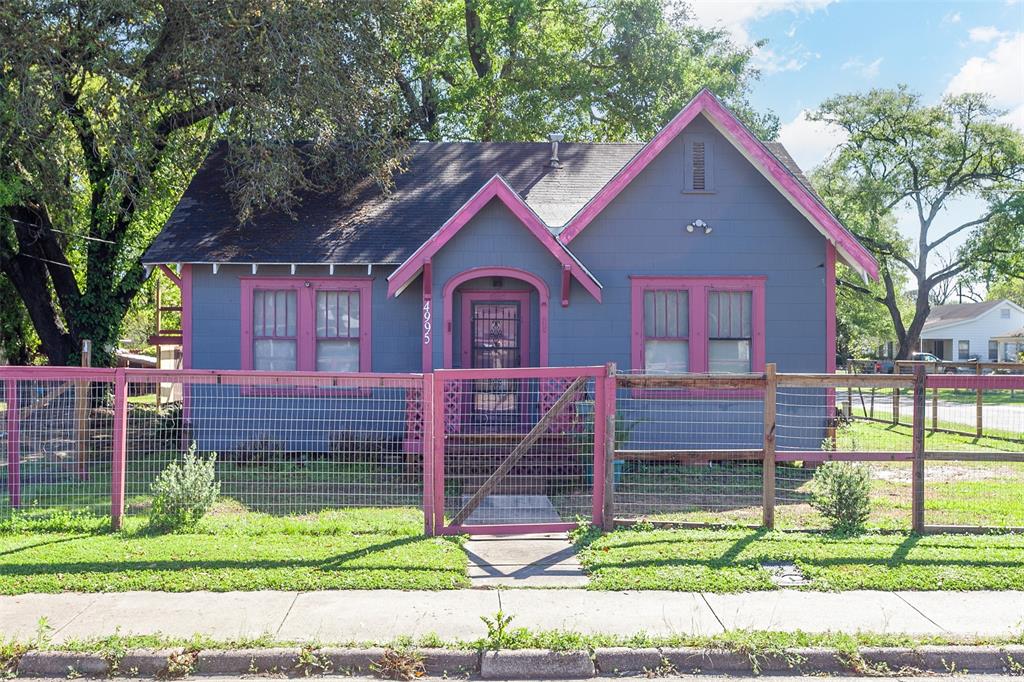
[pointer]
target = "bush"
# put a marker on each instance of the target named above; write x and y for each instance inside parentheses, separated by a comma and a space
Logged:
(184, 492)
(841, 491)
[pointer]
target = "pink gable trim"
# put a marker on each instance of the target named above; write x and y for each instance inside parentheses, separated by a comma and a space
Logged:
(496, 187)
(723, 119)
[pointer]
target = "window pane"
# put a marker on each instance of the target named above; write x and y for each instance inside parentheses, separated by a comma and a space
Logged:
(649, 313)
(729, 355)
(276, 355)
(337, 355)
(729, 314)
(257, 313)
(666, 357)
(666, 314)
(993, 350)
(964, 349)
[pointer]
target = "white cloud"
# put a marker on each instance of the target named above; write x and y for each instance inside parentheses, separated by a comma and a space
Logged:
(736, 15)
(999, 73)
(951, 18)
(985, 34)
(769, 61)
(867, 70)
(810, 142)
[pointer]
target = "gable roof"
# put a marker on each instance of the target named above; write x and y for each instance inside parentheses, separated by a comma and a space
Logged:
(366, 226)
(796, 190)
(495, 188)
(955, 313)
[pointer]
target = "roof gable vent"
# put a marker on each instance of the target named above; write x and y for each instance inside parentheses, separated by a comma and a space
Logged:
(699, 166)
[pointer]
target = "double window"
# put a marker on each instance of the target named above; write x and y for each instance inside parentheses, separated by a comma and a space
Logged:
(710, 324)
(303, 324)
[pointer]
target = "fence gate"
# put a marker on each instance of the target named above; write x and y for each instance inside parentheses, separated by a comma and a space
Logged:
(517, 450)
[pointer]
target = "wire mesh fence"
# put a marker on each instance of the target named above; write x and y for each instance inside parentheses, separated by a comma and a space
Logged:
(518, 446)
(687, 454)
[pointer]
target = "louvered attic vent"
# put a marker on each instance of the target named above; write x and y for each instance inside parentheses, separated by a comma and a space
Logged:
(699, 167)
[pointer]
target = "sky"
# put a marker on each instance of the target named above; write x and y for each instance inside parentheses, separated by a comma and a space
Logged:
(820, 48)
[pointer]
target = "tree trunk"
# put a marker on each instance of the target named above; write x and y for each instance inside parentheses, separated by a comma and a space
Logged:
(28, 276)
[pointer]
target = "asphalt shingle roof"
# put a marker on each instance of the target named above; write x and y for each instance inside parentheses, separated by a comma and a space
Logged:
(958, 312)
(370, 227)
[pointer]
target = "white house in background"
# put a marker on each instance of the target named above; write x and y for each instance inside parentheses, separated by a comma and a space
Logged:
(973, 330)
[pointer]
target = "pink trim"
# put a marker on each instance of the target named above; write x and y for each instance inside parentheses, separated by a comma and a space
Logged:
(171, 275)
(520, 373)
(436, 447)
(520, 297)
(537, 283)
(13, 443)
(428, 315)
(566, 285)
(305, 322)
(698, 288)
(186, 316)
(830, 307)
(706, 103)
(427, 408)
(985, 382)
(496, 187)
(509, 528)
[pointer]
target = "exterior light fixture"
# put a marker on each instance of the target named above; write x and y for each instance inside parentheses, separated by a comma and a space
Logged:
(699, 224)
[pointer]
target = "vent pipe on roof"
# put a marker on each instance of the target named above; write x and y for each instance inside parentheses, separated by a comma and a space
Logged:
(555, 139)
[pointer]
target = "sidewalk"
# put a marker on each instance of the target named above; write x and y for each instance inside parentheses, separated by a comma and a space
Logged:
(380, 616)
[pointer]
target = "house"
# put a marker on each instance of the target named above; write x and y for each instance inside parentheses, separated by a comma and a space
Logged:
(703, 250)
(972, 330)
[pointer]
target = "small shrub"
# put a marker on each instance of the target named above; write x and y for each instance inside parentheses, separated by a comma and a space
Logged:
(184, 492)
(841, 492)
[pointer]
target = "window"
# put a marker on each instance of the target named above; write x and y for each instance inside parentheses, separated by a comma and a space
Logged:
(337, 331)
(666, 331)
(692, 324)
(275, 338)
(293, 323)
(1004, 313)
(729, 331)
(963, 351)
(698, 173)
(993, 351)
(1011, 352)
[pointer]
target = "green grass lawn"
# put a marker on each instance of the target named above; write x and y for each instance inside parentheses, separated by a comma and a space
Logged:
(344, 549)
(728, 560)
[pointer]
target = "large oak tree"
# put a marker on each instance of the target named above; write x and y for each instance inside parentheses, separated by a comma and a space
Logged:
(902, 152)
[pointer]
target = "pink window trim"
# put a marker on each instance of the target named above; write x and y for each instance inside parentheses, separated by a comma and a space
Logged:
(698, 288)
(306, 315)
(448, 294)
(520, 297)
(707, 104)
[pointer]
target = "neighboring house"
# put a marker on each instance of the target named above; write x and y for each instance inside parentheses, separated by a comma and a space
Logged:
(972, 330)
(704, 250)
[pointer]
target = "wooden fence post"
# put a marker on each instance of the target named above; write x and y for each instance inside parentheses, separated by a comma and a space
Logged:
(120, 443)
(935, 409)
(979, 403)
(608, 511)
(82, 411)
(896, 405)
(768, 467)
(917, 487)
(13, 443)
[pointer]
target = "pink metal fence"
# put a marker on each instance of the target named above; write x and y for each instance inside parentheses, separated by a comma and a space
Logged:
(518, 449)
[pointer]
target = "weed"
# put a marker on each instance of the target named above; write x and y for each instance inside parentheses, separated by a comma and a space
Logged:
(665, 669)
(399, 665)
(499, 635)
(181, 664)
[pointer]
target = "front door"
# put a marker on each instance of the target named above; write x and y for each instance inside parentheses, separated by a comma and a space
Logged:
(495, 336)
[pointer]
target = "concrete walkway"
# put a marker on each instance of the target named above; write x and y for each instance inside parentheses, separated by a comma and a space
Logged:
(361, 616)
(538, 560)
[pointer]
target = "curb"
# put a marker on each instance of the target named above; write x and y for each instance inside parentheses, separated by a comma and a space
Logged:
(530, 663)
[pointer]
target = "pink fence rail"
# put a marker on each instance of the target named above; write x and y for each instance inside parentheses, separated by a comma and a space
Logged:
(690, 449)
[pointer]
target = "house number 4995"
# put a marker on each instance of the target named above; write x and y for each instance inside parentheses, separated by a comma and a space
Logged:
(426, 322)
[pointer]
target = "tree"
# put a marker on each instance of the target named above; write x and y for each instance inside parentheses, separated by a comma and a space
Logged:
(608, 70)
(108, 106)
(901, 152)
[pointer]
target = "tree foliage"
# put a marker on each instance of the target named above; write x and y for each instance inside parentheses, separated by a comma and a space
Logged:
(903, 153)
(108, 106)
(605, 70)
